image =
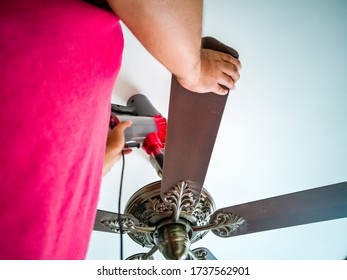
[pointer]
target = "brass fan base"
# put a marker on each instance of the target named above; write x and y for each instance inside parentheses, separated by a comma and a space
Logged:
(147, 206)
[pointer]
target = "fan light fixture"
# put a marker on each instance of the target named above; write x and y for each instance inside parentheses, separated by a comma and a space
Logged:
(172, 214)
(169, 225)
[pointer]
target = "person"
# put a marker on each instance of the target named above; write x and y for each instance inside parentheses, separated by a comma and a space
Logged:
(59, 60)
(115, 146)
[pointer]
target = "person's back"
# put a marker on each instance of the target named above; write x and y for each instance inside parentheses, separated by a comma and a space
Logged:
(59, 61)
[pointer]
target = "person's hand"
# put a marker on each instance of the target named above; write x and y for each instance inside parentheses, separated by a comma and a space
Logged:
(115, 145)
(217, 69)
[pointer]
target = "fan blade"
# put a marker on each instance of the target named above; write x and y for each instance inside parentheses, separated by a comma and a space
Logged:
(304, 207)
(193, 123)
(114, 222)
(102, 215)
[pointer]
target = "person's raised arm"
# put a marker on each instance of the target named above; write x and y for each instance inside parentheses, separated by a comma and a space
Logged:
(171, 31)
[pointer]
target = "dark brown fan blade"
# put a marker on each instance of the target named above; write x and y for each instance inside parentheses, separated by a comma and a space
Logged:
(102, 215)
(193, 123)
(304, 207)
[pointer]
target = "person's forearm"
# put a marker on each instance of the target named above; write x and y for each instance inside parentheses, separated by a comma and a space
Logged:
(169, 29)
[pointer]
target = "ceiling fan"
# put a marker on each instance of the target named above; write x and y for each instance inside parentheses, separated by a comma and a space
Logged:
(171, 214)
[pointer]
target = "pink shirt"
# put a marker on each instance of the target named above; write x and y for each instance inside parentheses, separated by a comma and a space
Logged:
(58, 64)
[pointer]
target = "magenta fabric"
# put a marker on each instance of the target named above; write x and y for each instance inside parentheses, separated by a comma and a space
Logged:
(58, 64)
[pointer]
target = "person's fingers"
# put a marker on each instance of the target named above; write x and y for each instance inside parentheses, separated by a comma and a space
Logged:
(127, 151)
(122, 126)
(230, 59)
(227, 81)
(220, 90)
(231, 71)
(219, 73)
(115, 138)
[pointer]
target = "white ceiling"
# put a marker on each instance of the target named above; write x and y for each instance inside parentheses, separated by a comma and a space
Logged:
(284, 129)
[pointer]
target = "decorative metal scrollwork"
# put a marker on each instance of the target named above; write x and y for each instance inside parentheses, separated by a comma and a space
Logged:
(202, 211)
(155, 207)
(180, 198)
(149, 209)
(227, 223)
(129, 225)
(222, 224)
(139, 257)
(200, 254)
(144, 256)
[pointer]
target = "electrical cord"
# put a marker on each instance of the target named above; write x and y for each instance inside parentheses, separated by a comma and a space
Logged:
(119, 207)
